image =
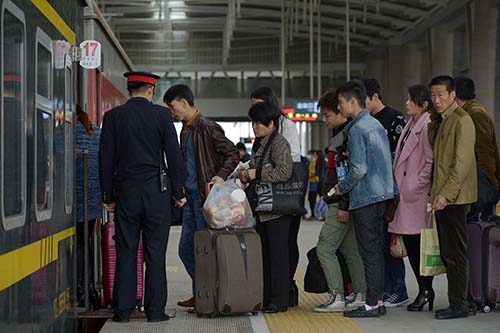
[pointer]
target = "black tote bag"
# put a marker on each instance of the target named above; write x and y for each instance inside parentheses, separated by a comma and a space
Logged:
(284, 198)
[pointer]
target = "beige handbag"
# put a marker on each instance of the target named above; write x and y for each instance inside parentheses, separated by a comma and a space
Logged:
(430, 255)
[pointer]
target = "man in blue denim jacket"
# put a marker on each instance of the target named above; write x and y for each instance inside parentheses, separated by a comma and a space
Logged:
(369, 183)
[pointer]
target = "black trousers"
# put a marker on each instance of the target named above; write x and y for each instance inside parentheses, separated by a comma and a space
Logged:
(312, 202)
(293, 249)
(369, 228)
(141, 207)
(412, 244)
(274, 238)
(452, 231)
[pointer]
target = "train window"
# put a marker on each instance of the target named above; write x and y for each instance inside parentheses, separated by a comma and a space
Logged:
(68, 138)
(44, 132)
(13, 125)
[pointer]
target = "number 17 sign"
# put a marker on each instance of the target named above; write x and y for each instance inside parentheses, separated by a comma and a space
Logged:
(91, 54)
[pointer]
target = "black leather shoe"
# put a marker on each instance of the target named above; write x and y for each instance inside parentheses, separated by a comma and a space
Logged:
(362, 312)
(272, 308)
(423, 297)
(382, 310)
(120, 318)
(154, 319)
(452, 313)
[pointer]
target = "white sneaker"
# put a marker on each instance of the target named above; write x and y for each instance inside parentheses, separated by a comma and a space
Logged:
(355, 300)
(335, 303)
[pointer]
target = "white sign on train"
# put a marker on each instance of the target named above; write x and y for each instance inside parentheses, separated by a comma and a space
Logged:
(91, 54)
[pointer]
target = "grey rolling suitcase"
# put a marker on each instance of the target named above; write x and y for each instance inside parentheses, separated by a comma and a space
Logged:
(228, 272)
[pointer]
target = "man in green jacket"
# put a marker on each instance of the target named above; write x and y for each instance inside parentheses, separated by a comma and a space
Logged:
(486, 149)
(453, 190)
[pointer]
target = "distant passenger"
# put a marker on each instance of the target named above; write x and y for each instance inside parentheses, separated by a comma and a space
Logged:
(486, 150)
(87, 138)
(288, 129)
(395, 293)
(338, 231)
(209, 156)
(453, 190)
(272, 228)
(412, 172)
(244, 156)
(370, 183)
(135, 139)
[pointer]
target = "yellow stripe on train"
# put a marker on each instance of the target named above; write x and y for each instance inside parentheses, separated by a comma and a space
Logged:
(24, 261)
(54, 17)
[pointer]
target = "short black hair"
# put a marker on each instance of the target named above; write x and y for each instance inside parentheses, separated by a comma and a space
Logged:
(372, 87)
(267, 95)
(178, 92)
(419, 94)
(329, 100)
(264, 113)
(353, 89)
(444, 80)
(241, 146)
(139, 87)
(465, 88)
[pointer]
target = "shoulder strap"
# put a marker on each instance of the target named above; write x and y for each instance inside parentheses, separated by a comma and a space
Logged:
(258, 172)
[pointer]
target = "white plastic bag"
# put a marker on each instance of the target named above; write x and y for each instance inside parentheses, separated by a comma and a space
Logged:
(227, 206)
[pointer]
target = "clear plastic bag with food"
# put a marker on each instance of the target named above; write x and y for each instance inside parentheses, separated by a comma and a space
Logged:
(227, 206)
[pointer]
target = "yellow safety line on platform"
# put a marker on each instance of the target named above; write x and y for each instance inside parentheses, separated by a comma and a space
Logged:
(24, 261)
(53, 16)
(303, 319)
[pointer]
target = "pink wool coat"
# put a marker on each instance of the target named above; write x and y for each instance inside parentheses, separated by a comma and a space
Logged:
(412, 171)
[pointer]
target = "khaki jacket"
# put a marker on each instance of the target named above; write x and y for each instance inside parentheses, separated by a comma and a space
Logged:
(455, 175)
(486, 144)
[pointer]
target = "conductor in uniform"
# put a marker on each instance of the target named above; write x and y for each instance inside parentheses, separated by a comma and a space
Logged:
(136, 137)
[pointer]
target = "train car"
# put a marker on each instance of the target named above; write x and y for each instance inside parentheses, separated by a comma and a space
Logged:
(36, 183)
(40, 85)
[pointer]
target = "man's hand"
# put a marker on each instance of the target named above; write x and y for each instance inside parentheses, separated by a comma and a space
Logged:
(337, 190)
(110, 207)
(217, 180)
(343, 216)
(440, 203)
(180, 203)
(243, 176)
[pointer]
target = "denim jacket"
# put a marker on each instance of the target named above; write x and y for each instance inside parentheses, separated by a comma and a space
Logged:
(370, 178)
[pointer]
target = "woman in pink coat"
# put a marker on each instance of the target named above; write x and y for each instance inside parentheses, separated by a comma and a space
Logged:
(412, 171)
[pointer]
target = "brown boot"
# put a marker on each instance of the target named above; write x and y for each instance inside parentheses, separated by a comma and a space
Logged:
(187, 303)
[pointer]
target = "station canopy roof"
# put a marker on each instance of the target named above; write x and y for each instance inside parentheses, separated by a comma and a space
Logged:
(207, 35)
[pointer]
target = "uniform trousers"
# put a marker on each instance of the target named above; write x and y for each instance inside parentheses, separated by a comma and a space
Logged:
(141, 207)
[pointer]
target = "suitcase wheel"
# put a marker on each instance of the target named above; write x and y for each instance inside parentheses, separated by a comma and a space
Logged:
(199, 315)
(486, 309)
(254, 313)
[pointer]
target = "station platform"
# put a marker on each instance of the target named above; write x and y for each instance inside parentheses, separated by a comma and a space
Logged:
(302, 318)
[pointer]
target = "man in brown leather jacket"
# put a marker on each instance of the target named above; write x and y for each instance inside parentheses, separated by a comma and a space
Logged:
(210, 157)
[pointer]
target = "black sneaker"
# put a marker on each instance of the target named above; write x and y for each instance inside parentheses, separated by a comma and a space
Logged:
(362, 312)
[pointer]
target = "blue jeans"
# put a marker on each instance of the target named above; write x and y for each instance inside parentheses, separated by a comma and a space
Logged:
(192, 220)
(394, 270)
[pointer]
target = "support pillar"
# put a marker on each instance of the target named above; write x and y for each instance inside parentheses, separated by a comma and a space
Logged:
(484, 52)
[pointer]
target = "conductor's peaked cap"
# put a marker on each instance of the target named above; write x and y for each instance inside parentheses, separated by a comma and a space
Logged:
(137, 79)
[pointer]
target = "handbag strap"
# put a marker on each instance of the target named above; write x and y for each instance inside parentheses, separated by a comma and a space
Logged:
(258, 172)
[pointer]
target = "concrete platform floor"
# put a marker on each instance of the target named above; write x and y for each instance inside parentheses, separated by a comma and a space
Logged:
(302, 319)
